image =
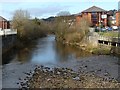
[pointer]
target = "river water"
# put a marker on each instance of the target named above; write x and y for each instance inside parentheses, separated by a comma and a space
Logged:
(46, 51)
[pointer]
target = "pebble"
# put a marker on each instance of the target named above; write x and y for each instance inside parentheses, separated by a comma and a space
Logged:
(48, 79)
(27, 73)
(76, 78)
(20, 79)
(58, 72)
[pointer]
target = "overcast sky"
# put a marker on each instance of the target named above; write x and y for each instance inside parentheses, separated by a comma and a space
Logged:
(47, 8)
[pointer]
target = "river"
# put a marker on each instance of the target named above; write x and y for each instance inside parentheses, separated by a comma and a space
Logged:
(46, 51)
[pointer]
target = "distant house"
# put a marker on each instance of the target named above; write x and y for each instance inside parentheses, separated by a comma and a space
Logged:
(112, 21)
(96, 16)
(111, 17)
(4, 23)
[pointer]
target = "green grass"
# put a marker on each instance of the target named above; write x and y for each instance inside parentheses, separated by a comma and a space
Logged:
(101, 50)
(109, 34)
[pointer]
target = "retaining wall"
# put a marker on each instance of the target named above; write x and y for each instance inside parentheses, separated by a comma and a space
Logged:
(8, 42)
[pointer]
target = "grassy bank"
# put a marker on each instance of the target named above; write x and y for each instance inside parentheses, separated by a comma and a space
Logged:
(102, 50)
(109, 34)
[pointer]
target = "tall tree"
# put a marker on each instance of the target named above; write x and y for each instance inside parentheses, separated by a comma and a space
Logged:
(20, 18)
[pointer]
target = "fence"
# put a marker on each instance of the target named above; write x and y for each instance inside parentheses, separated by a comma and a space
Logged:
(7, 31)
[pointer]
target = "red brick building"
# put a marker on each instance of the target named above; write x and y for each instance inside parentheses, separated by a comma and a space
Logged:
(96, 16)
(118, 18)
(4, 24)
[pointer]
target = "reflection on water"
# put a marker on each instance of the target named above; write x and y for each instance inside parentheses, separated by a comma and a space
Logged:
(69, 52)
(44, 50)
(8, 57)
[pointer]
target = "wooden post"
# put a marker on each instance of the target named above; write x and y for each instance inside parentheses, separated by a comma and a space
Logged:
(116, 45)
(111, 44)
(103, 42)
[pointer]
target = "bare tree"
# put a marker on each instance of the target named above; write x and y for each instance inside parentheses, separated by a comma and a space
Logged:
(20, 18)
(63, 13)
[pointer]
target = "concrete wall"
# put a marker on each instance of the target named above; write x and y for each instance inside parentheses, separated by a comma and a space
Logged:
(93, 39)
(8, 42)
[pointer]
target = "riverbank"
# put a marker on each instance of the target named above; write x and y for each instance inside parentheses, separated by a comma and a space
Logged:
(50, 54)
(99, 50)
(96, 66)
(44, 77)
(89, 42)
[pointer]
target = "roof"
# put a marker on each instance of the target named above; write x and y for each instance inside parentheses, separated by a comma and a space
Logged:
(94, 9)
(2, 19)
(78, 14)
(111, 12)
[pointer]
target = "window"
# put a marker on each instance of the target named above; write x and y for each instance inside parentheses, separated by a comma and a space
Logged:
(94, 17)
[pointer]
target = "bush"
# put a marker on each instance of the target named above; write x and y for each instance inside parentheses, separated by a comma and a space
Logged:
(73, 33)
(28, 29)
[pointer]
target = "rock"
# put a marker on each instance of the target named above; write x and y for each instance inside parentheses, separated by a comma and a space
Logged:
(27, 74)
(20, 79)
(48, 79)
(106, 74)
(27, 77)
(58, 72)
(76, 78)
(41, 66)
(82, 78)
(99, 70)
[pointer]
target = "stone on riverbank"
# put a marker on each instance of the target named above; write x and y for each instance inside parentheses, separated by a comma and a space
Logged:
(65, 78)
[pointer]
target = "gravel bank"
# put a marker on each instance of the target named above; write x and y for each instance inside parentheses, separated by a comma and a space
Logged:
(45, 77)
(106, 67)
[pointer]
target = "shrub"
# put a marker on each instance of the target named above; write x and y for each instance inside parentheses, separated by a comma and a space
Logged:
(71, 33)
(28, 29)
